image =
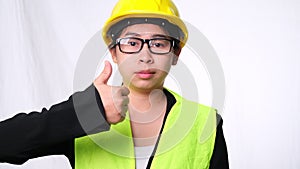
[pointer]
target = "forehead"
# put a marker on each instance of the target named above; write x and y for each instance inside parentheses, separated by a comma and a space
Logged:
(143, 29)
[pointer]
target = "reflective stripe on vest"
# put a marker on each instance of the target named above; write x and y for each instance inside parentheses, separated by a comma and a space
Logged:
(187, 141)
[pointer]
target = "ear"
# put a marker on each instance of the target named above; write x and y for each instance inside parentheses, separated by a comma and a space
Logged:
(177, 51)
(175, 60)
(176, 56)
(113, 54)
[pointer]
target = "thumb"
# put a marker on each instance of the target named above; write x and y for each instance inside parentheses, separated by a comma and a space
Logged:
(105, 74)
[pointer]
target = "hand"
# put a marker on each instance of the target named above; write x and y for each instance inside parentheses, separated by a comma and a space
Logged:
(115, 99)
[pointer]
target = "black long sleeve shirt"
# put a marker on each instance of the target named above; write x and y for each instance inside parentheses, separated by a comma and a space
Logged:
(52, 132)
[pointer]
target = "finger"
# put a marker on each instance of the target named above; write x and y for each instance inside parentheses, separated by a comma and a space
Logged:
(125, 100)
(124, 91)
(105, 74)
(124, 111)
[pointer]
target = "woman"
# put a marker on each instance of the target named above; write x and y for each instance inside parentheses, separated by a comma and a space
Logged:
(160, 129)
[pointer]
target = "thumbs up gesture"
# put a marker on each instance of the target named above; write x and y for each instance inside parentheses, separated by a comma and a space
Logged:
(115, 99)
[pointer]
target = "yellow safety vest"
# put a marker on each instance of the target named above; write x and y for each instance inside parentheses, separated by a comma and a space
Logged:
(187, 141)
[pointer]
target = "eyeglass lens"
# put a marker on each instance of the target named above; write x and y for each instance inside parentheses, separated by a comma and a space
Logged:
(134, 45)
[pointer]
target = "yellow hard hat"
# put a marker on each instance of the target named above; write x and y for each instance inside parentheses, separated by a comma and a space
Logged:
(161, 9)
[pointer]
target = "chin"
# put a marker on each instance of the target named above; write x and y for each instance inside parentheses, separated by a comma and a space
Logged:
(142, 86)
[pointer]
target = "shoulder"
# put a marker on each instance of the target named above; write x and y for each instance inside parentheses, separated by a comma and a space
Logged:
(178, 99)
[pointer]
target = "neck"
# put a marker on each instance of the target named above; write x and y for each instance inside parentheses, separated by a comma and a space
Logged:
(147, 106)
(142, 100)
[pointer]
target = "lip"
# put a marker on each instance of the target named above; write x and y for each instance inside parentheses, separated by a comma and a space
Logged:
(145, 74)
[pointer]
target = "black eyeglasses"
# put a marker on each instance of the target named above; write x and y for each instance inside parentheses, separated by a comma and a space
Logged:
(132, 45)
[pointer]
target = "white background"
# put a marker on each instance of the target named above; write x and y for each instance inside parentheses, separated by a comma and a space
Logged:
(257, 43)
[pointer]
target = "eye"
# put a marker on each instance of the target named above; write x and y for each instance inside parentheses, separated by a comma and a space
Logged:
(160, 43)
(157, 44)
(131, 43)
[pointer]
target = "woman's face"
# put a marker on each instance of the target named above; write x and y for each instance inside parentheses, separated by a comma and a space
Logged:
(143, 71)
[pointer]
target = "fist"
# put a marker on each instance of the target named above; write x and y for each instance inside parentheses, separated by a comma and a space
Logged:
(114, 98)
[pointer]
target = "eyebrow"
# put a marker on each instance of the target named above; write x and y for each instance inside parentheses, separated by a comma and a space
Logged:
(160, 35)
(132, 34)
(138, 35)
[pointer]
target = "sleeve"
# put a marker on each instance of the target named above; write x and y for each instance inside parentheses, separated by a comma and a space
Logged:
(52, 131)
(219, 159)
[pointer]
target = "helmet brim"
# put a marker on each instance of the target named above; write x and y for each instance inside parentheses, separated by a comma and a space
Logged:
(142, 14)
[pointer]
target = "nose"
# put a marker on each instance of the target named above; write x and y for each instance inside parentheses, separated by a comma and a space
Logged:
(145, 54)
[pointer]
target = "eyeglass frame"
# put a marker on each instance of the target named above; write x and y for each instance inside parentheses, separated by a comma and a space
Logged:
(147, 41)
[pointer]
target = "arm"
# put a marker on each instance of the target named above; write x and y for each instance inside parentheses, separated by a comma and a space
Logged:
(52, 131)
(219, 159)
